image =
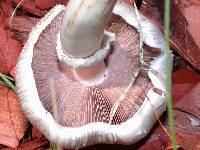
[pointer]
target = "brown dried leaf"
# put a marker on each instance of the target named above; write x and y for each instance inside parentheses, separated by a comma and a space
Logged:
(36, 134)
(47, 4)
(29, 6)
(192, 15)
(37, 144)
(13, 123)
(9, 50)
(6, 7)
(184, 80)
(190, 2)
(180, 38)
(44, 4)
(22, 23)
(187, 118)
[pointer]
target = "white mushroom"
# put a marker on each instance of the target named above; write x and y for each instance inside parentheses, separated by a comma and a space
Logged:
(90, 71)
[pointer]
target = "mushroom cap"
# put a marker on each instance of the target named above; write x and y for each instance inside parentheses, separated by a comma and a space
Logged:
(79, 103)
(83, 111)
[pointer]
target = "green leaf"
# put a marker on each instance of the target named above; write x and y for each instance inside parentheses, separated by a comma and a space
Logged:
(7, 81)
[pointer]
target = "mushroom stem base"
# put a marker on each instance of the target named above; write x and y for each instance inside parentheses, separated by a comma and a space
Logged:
(92, 75)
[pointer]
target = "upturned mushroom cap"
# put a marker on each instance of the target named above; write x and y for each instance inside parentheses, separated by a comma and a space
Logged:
(83, 106)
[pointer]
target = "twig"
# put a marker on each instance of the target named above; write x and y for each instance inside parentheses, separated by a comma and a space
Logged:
(123, 96)
(135, 73)
(13, 13)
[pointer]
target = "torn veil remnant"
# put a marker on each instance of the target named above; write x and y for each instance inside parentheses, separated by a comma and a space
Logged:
(91, 67)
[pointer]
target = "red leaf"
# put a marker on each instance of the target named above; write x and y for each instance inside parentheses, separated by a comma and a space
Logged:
(190, 141)
(7, 8)
(190, 2)
(44, 4)
(180, 38)
(36, 134)
(22, 23)
(47, 4)
(30, 7)
(187, 123)
(179, 140)
(187, 118)
(190, 102)
(183, 81)
(1, 19)
(192, 15)
(13, 123)
(9, 50)
(36, 144)
(185, 75)
(179, 90)
(156, 140)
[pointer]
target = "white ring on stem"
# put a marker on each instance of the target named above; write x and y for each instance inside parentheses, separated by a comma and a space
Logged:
(98, 56)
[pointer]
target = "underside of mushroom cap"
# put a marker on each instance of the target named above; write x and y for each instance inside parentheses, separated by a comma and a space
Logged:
(81, 107)
(78, 103)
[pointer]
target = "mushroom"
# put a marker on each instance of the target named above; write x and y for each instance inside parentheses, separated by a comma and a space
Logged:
(82, 77)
